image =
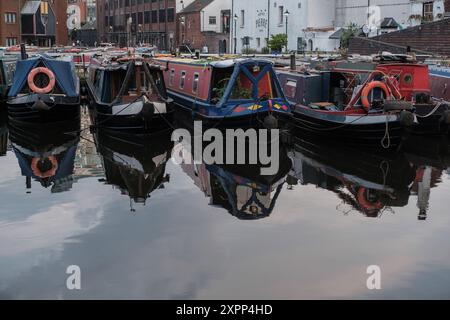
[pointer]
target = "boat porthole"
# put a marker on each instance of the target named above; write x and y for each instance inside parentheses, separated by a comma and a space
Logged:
(408, 78)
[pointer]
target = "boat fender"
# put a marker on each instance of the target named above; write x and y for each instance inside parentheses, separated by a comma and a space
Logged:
(368, 89)
(397, 105)
(270, 122)
(34, 87)
(365, 203)
(44, 168)
(407, 118)
(446, 117)
(148, 109)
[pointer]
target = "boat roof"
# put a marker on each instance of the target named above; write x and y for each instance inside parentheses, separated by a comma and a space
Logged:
(64, 72)
(226, 63)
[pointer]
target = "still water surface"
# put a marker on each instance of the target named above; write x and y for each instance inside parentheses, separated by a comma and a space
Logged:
(141, 227)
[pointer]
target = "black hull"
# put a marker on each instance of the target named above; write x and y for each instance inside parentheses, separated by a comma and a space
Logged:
(58, 113)
(368, 136)
(43, 135)
(434, 124)
(137, 124)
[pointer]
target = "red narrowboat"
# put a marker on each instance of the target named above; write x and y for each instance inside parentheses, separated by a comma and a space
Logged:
(238, 92)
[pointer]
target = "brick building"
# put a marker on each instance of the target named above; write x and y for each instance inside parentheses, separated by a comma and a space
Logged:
(129, 22)
(9, 22)
(41, 23)
(205, 25)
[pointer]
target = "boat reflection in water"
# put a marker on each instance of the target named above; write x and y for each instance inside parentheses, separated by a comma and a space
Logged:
(431, 158)
(3, 132)
(240, 189)
(368, 183)
(135, 166)
(46, 157)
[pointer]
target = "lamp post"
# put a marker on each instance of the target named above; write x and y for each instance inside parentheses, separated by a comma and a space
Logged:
(110, 33)
(235, 18)
(140, 34)
(129, 22)
(286, 14)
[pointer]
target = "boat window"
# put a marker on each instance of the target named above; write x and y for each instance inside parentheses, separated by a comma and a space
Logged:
(172, 77)
(242, 88)
(182, 79)
(195, 83)
(290, 88)
(97, 75)
(221, 78)
(266, 86)
(159, 81)
(144, 82)
(408, 78)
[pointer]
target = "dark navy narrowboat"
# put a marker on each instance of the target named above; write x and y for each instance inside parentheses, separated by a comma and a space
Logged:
(229, 93)
(44, 90)
(136, 168)
(128, 96)
(46, 155)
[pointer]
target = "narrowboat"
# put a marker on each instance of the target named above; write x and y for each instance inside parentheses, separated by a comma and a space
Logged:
(46, 156)
(128, 96)
(136, 169)
(227, 93)
(368, 183)
(240, 189)
(440, 81)
(44, 90)
(341, 107)
(386, 82)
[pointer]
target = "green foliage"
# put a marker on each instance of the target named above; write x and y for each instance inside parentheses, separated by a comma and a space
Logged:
(277, 42)
(249, 51)
(265, 50)
(349, 32)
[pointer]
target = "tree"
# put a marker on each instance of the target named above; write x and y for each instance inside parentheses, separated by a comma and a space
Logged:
(349, 32)
(277, 42)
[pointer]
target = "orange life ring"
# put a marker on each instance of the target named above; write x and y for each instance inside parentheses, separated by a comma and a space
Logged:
(368, 88)
(47, 174)
(34, 87)
(362, 200)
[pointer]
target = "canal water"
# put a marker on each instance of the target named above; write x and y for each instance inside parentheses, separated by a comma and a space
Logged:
(140, 226)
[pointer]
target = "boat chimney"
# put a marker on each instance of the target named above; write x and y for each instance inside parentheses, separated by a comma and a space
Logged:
(23, 51)
(293, 62)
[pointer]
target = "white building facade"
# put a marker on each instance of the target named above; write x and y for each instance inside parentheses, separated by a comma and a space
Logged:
(306, 22)
(310, 23)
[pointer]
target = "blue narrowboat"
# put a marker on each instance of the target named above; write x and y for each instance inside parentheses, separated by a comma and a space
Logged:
(234, 92)
(44, 90)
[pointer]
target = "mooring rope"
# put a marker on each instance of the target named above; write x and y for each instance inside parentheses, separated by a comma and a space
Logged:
(436, 108)
(387, 136)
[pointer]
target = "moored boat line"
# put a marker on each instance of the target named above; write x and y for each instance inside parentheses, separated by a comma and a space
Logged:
(373, 103)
